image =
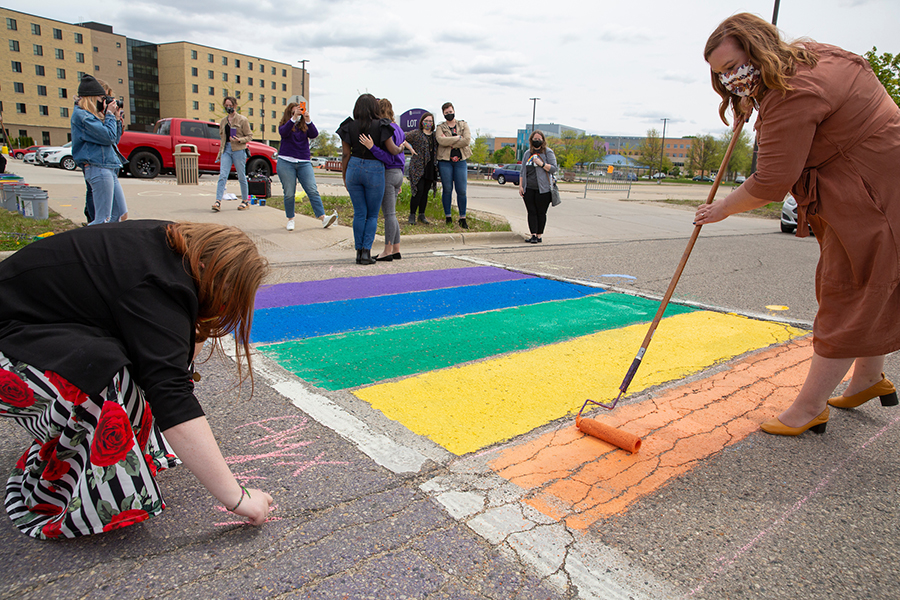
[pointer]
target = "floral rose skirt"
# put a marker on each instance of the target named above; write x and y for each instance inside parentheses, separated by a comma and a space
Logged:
(93, 462)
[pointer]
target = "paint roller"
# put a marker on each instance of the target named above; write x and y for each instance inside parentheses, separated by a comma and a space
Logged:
(617, 437)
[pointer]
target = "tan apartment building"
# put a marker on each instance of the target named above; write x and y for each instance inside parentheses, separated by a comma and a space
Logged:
(44, 61)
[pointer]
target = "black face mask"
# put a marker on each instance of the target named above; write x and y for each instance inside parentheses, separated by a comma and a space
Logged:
(537, 143)
(450, 116)
(229, 109)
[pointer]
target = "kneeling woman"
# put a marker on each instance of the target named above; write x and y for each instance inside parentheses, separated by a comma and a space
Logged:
(98, 330)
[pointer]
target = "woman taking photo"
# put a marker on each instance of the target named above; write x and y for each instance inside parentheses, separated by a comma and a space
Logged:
(393, 182)
(363, 173)
(535, 182)
(453, 138)
(96, 129)
(422, 167)
(829, 132)
(234, 133)
(296, 129)
(98, 332)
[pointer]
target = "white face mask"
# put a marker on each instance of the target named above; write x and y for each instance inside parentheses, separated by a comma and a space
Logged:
(741, 81)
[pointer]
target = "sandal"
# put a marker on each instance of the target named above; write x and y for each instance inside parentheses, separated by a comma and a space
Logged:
(217, 206)
(244, 205)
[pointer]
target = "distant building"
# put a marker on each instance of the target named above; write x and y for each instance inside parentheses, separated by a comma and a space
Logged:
(549, 129)
(676, 149)
(495, 144)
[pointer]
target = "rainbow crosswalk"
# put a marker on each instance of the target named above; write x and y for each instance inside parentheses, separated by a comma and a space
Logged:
(474, 356)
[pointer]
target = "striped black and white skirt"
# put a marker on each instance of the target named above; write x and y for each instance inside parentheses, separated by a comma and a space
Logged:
(92, 465)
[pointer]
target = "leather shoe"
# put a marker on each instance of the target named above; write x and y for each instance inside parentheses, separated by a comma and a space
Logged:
(387, 258)
(776, 427)
(396, 256)
(884, 388)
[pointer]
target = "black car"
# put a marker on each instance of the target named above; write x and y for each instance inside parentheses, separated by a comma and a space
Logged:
(703, 178)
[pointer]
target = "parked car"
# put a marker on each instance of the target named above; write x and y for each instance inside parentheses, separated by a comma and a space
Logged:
(506, 173)
(41, 155)
(703, 178)
(20, 153)
(30, 158)
(318, 161)
(624, 176)
(61, 157)
(789, 215)
(739, 180)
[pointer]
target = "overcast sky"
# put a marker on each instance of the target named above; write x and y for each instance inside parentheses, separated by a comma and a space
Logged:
(613, 67)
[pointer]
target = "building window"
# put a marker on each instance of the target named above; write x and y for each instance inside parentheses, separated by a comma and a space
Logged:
(224, 93)
(11, 24)
(210, 74)
(224, 76)
(35, 29)
(19, 87)
(252, 127)
(39, 70)
(273, 129)
(273, 70)
(96, 67)
(63, 93)
(60, 54)
(119, 63)
(79, 57)
(118, 44)
(209, 58)
(212, 107)
(237, 94)
(284, 72)
(237, 63)
(249, 81)
(38, 50)
(63, 111)
(273, 113)
(250, 111)
(120, 80)
(284, 101)
(262, 83)
(273, 99)
(237, 78)
(273, 85)
(194, 71)
(79, 75)
(57, 34)
(196, 105)
(194, 54)
(249, 65)
(44, 110)
(262, 99)
(13, 46)
(42, 90)
(79, 39)
(283, 87)
(20, 108)
(195, 88)
(224, 61)
(212, 91)
(16, 67)
(262, 69)
(96, 49)
(250, 96)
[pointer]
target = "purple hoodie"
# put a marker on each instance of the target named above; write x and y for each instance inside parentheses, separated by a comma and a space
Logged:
(296, 143)
(392, 161)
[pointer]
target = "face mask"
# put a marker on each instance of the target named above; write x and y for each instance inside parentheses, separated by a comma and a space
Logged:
(742, 81)
(229, 109)
(427, 126)
(537, 143)
(450, 116)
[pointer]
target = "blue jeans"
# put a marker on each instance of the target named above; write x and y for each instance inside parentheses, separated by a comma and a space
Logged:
(239, 159)
(290, 173)
(109, 199)
(365, 184)
(453, 174)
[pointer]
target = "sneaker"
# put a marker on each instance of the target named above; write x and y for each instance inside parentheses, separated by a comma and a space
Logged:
(329, 220)
(463, 224)
(423, 220)
(412, 219)
(290, 225)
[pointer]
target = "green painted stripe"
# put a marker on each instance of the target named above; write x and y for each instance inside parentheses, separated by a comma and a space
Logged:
(358, 358)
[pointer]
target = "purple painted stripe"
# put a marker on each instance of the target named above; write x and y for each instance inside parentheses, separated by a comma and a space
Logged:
(351, 288)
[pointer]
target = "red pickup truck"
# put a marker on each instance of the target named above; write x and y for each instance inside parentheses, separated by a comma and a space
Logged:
(149, 154)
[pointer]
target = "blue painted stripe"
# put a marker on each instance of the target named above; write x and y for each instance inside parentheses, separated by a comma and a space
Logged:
(300, 322)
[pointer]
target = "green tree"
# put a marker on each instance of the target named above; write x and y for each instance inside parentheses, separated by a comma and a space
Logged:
(650, 152)
(506, 154)
(326, 144)
(572, 149)
(480, 150)
(741, 156)
(703, 153)
(887, 69)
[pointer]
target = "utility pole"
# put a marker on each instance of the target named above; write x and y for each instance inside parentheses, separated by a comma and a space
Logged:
(303, 80)
(755, 145)
(662, 145)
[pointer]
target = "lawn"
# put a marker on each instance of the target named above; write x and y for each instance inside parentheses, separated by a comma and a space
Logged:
(17, 231)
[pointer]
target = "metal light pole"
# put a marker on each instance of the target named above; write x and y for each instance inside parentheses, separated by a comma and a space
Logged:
(755, 144)
(303, 81)
(662, 145)
(262, 113)
(533, 111)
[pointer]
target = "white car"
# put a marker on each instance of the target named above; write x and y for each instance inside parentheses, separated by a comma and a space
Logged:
(318, 161)
(58, 157)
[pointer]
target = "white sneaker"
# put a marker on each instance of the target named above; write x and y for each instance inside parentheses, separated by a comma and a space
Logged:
(290, 225)
(329, 220)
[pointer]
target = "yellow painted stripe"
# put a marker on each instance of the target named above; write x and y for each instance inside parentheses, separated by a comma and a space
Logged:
(468, 408)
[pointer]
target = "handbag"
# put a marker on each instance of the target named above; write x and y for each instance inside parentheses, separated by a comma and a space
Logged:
(554, 192)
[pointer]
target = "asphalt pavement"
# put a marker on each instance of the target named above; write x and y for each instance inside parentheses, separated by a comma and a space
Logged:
(366, 508)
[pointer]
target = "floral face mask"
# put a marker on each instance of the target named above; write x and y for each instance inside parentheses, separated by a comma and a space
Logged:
(741, 81)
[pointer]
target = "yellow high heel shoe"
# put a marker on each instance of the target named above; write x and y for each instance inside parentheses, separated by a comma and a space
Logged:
(884, 388)
(776, 427)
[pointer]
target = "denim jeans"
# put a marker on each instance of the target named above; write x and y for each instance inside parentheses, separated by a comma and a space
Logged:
(290, 173)
(393, 183)
(109, 199)
(239, 159)
(365, 184)
(453, 174)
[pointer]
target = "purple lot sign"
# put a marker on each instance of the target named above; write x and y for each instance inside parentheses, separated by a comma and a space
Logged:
(410, 119)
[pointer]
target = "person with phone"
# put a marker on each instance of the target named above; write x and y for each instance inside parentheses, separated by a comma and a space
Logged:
(234, 133)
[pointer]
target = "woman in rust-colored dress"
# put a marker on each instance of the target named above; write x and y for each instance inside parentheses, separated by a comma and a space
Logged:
(827, 131)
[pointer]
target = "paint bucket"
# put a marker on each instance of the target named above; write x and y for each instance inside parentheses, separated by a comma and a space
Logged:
(9, 193)
(33, 203)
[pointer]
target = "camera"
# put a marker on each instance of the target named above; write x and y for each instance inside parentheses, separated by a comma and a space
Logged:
(107, 100)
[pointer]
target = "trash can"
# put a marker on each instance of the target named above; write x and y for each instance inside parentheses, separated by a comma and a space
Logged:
(33, 202)
(187, 168)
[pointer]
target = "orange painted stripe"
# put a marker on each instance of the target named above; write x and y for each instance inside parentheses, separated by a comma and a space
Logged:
(580, 479)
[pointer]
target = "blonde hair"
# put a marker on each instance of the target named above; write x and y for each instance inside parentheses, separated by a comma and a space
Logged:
(228, 270)
(776, 59)
(386, 109)
(89, 103)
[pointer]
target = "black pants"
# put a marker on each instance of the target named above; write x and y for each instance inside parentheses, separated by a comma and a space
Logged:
(536, 204)
(419, 200)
